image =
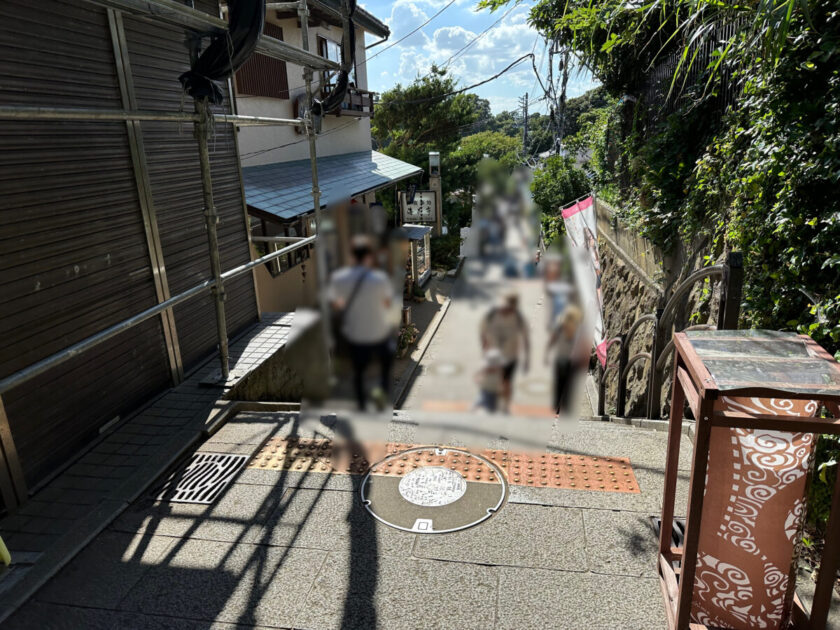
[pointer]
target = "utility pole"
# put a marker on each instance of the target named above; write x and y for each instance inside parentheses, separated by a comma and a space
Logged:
(524, 102)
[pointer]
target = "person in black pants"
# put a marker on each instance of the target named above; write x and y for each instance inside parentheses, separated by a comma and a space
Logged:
(362, 294)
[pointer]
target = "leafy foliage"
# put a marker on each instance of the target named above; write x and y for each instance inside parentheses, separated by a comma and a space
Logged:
(557, 183)
(446, 249)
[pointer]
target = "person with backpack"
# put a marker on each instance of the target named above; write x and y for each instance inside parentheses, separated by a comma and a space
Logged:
(504, 328)
(361, 297)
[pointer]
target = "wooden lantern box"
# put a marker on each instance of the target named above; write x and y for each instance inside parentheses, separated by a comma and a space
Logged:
(756, 396)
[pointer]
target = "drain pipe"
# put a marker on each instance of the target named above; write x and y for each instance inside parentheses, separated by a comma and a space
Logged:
(211, 217)
(309, 126)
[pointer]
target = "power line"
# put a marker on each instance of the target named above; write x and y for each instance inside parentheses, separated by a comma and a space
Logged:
(480, 35)
(392, 44)
(460, 91)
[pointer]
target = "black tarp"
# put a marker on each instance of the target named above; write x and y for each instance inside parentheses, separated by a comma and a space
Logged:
(226, 52)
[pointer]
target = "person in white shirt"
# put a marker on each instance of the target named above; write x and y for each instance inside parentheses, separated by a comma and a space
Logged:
(504, 328)
(362, 295)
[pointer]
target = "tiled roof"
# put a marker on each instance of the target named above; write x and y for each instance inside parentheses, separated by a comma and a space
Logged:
(284, 189)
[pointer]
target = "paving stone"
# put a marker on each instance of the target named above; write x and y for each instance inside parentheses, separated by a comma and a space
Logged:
(648, 501)
(48, 616)
(233, 583)
(532, 598)
(238, 515)
(332, 521)
(620, 543)
(299, 479)
(646, 448)
(245, 430)
(405, 593)
(25, 541)
(105, 571)
(518, 535)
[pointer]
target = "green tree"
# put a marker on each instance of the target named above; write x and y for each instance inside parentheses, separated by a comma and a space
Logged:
(558, 182)
(410, 121)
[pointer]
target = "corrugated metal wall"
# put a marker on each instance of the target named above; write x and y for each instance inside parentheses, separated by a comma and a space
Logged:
(74, 258)
(158, 56)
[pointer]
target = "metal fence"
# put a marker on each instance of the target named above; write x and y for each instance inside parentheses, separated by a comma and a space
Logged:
(730, 275)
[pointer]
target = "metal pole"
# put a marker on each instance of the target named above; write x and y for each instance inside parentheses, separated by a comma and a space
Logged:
(731, 291)
(623, 356)
(320, 247)
(21, 376)
(654, 379)
(202, 129)
(27, 112)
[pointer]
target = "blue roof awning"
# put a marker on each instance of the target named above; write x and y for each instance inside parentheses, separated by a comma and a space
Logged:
(416, 232)
(284, 189)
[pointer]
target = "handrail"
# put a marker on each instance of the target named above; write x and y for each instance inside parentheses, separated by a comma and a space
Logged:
(636, 357)
(666, 351)
(705, 272)
(27, 373)
(27, 112)
(650, 317)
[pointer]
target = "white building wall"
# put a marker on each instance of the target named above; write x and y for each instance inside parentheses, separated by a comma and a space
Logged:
(339, 134)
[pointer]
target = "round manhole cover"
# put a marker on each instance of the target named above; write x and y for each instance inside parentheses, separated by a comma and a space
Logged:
(433, 490)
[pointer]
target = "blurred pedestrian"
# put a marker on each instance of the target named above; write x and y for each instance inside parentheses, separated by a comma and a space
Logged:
(361, 297)
(504, 328)
(490, 379)
(569, 351)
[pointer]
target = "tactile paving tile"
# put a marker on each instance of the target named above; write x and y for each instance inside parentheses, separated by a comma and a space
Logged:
(537, 470)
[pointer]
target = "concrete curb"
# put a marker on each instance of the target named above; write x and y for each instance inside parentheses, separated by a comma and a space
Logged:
(644, 423)
(419, 352)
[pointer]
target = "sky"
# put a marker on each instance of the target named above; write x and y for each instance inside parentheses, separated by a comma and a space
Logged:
(446, 34)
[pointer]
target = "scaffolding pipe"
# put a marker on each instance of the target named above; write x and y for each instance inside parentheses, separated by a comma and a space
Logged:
(211, 219)
(177, 14)
(320, 252)
(25, 112)
(54, 360)
(276, 239)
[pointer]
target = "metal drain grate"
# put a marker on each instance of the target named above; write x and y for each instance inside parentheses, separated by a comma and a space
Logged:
(203, 480)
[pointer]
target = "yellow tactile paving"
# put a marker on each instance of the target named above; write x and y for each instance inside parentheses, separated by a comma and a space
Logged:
(538, 470)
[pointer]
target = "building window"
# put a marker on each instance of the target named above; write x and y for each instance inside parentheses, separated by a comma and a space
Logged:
(264, 76)
(331, 50)
(281, 264)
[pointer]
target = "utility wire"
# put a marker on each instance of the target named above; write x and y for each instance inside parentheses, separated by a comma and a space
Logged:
(382, 50)
(479, 36)
(455, 92)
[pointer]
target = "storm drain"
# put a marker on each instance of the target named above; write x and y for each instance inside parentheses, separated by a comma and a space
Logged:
(203, 480)
(432, 490)
(677, 533)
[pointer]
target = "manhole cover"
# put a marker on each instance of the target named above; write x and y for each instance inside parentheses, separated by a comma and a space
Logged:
(203, 480)
(433, 490)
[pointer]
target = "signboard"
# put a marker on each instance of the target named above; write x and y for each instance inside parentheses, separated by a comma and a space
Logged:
(582, 232)
(421, 209)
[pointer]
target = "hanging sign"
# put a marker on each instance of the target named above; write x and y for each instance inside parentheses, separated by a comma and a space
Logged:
(581, 229)
(422, 208)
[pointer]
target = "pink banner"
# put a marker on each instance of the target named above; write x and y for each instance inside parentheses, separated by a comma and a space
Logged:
(582, 231)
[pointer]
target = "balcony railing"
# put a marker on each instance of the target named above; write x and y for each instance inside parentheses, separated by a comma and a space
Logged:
(356, 103)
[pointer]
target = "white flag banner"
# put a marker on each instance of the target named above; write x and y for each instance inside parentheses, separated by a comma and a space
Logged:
(581, 228)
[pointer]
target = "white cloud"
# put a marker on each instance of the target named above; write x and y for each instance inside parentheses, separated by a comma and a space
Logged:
(406, 15)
